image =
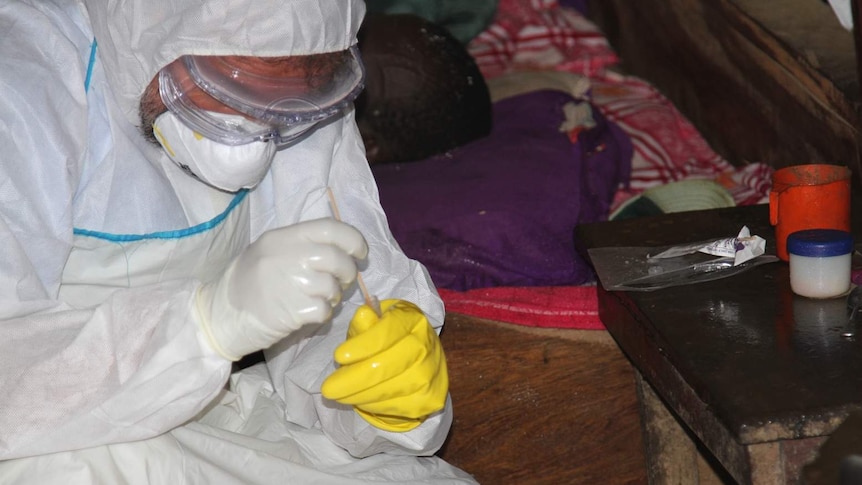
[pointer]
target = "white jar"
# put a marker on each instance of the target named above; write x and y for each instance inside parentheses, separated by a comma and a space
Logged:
(820, 262)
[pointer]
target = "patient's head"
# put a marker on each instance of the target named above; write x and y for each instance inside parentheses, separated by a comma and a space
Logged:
(424, 93)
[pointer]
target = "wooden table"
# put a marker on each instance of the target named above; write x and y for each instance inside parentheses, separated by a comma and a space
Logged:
(739, 366)
(831, 467)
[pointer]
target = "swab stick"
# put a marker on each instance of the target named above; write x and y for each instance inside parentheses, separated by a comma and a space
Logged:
(370, 299)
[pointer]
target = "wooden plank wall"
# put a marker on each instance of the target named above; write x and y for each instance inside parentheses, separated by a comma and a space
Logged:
(763, 83)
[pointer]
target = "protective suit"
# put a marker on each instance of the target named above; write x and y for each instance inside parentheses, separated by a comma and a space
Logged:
(107, 376)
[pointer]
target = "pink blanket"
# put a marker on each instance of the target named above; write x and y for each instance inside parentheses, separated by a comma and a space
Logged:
(546, 306)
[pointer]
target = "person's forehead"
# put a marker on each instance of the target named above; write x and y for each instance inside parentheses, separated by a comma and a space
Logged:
(281, 66)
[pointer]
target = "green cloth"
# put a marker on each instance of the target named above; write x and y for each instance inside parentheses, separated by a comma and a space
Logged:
(638, 207)
(464, 19)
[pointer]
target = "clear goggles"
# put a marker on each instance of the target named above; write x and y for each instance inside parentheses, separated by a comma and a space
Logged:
(234, 100)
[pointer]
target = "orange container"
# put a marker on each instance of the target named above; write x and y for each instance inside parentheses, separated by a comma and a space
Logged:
(815, 196)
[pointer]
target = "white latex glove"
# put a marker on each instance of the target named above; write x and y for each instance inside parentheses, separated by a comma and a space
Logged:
(289, 277)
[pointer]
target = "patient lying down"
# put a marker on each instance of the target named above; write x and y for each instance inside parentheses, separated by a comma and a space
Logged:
(424, 94)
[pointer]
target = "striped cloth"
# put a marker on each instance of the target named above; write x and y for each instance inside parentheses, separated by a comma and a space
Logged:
(542, 35)
(539, 34)
(667, 147)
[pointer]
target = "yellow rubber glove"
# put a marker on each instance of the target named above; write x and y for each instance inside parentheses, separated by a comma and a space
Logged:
(393, 370)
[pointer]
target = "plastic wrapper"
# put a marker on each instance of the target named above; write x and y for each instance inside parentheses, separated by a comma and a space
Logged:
(651, 268)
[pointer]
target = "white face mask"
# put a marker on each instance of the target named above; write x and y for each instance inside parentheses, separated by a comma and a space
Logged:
(225, 167)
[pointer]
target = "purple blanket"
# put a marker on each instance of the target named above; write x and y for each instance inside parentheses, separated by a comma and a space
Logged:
(501, 211)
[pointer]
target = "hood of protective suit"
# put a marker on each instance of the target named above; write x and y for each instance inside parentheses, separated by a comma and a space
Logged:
(138, 37)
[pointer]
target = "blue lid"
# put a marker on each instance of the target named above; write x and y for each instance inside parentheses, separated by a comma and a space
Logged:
(820, 243)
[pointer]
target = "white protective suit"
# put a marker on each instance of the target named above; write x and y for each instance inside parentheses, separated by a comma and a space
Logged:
(105, 374)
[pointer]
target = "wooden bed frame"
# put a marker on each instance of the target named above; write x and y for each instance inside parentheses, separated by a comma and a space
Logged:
(541, 406)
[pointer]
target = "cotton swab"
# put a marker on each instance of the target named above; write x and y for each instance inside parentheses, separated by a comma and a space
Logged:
(370, 299)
